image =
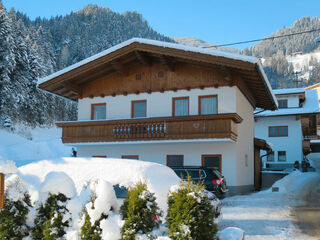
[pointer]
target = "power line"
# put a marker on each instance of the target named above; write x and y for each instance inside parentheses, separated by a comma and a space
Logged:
(262, 39)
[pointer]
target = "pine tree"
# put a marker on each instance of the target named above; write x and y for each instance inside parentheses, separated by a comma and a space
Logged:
(140, 213)
(52, 218)
(91, 231)
(190, 213)
(13, 216)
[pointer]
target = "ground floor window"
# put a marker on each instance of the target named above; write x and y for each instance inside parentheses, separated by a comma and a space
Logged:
(211, 161)
(270, 157)
(174, 160)
(99, 156)
(136, 157)
(282, 156)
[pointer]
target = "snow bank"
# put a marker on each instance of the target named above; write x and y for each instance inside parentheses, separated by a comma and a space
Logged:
(27, 145)
(104, 202)
(231, 233)
(299, 187)
(58, 182)
(158, 178)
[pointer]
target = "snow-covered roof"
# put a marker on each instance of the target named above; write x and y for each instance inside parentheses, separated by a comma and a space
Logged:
(310, 105)
(207, 51)
(288, 91)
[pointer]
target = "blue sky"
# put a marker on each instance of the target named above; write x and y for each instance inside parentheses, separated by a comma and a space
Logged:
(215, 21)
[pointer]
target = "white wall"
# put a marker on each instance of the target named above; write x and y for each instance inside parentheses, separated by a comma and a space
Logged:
(245, 145)
(158, 104)
(293, 101)
(291, 144)
(158, 153)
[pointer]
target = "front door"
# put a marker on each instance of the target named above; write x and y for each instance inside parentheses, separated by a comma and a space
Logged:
(211, 161)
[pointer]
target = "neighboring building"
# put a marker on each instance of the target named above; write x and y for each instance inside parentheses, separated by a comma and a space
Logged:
(166, 103)
(286, 128)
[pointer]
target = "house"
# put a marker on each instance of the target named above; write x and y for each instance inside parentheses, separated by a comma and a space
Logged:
(167, 103)
(287, 128)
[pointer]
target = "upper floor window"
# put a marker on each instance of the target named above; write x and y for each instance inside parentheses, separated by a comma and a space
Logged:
(281, 131)
(208, 105)
(283, 103)
(139, 109)
(98, 111)
(180, 106)
(282, 156)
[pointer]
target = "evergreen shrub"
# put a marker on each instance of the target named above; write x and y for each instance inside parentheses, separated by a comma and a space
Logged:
(140, 213)
(14, 214)
(52, 218)
(190, 213)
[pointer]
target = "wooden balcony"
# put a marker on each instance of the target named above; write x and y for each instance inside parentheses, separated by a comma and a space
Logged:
(168, 128)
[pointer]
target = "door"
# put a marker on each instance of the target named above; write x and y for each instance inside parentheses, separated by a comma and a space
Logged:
(212, 161)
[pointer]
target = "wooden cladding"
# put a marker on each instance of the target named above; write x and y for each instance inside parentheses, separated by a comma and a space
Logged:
(187, 127)
(155, 79)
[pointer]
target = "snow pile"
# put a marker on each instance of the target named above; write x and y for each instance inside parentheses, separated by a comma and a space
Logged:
(231, 233)
(27, 145)
(105, 200)
(58, 182)
(158, 178)
(299, 187)
(7, 166)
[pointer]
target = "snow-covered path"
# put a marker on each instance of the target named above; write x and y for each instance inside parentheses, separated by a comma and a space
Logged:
(271, 215)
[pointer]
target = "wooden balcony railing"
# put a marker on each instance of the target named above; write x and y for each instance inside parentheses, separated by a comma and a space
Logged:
(168, 128)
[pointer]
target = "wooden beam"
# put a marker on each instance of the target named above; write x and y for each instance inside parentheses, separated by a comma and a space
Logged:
(119, 68)
(167, 63)
(1, 190)
(72, 87)
(246, 91)
(143, 59)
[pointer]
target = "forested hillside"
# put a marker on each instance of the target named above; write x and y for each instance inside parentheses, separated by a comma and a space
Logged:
(32, 49)
(280, 71)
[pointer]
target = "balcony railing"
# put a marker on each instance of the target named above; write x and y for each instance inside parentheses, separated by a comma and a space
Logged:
(168, 128)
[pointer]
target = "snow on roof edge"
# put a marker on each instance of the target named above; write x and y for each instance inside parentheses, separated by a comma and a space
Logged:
(288, 91)
(212, 52)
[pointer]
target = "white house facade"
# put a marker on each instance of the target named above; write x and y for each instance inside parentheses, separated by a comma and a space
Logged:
(170, 104)
(286, 128)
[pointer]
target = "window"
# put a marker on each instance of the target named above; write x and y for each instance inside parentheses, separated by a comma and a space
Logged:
(136, 157)
(139, 109)
(281, 131)
(100, 156)
(211, 161)
(98, 111)
(282, 156)
(174, 160)
(270, 157)
(180, 106)
(283, 103)
(208, 105)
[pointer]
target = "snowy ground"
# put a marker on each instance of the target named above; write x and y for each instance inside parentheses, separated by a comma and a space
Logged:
(28, 145)
(273, 215)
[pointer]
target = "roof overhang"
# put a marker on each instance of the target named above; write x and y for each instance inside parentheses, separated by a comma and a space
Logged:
(69, 81)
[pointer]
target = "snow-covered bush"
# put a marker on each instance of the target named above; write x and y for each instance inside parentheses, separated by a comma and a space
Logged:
(140, 213)
(52, 218)
(96, 220)
(190, 213)
(13, 216)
